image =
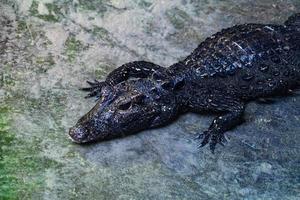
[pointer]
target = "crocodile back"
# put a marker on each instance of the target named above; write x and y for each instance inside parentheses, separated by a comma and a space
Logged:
(248, 60)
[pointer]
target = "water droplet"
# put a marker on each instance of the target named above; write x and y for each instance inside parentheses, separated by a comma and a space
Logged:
(237, 65)
(244, 87)
(244, 58)
(251, 57)
(214, 105)
(213, 74)
(202, 72)
(164, 108)
(263, 67)
(247, 77)
(276, 73)
(187, 62)
(203, 75)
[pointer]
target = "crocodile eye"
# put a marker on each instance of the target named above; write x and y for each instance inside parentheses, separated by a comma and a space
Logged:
(179, 85)
(125, 106)
(139, 99)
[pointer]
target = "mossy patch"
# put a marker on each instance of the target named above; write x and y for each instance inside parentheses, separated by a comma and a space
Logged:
(48, 60)
(103, 34)
(21, 26)
(178, 18)
(6, 179)
(21, 166)
(102, 70)
(44, 63)
(25, 29)
(100, 32)
(144, 4)
(6, 78)
(53, 10)
(73, 47)
(94, 5)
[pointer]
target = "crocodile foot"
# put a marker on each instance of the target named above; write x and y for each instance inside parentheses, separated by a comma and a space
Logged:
(94, 89)
(213, 138)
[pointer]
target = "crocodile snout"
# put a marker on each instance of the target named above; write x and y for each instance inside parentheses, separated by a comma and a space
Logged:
(78, 134)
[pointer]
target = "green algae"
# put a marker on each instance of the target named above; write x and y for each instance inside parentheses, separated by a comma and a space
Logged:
(45, 60)
(102, 70)
(73, 47)
(178, 17)
(94, 5)
(144, 4)
(103, 34)
(21, 26)
(53, 9)
(6, 78)
(21, 166)
(6, 191)
(44, 63)
(26, 29)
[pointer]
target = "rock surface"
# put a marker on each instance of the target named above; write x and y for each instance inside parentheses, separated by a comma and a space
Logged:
(48, 48)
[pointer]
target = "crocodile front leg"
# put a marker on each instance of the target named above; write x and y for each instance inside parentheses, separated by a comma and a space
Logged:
(137, 69)
(94, 89)
(234, 116)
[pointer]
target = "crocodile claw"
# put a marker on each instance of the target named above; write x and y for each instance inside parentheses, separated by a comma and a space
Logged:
(211, 138)
(95, 83)
(95, 89)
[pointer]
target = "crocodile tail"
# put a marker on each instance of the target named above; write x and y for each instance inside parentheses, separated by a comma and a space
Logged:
(293, 20)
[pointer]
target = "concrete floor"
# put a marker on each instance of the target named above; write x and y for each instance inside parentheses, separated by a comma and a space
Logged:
(49, 48)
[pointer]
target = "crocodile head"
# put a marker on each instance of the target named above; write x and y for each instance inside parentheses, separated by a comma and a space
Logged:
(126, 108)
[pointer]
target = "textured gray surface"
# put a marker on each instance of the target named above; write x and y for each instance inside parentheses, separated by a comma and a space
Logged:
(48, 48)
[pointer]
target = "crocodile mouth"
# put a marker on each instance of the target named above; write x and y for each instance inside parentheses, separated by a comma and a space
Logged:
(81, 135)
(75, 141)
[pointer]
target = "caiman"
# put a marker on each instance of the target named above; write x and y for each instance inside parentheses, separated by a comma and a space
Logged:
(226, 71)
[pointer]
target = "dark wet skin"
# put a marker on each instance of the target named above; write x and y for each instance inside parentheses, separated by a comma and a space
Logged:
(227, 70)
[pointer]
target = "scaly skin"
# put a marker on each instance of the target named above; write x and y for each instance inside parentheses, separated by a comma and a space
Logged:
(223, 73)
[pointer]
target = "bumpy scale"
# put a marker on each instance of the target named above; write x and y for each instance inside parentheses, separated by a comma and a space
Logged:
(227, 70)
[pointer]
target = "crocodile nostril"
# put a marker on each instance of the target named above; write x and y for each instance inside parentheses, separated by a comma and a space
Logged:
(78, 134)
